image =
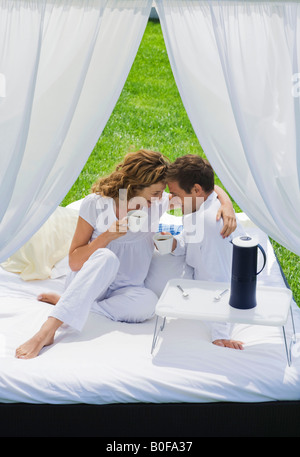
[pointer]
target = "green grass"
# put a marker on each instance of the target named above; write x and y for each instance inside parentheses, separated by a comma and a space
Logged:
(150, 114)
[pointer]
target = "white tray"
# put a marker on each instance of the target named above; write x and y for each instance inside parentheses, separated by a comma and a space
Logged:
(273, 303)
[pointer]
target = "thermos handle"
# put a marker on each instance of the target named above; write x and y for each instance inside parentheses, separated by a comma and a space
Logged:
(265, 258)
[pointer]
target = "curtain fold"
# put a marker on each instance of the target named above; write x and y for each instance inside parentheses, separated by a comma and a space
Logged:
(65, 63)
(235, 64)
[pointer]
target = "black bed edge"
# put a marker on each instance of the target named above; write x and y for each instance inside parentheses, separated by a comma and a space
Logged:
(177, 420)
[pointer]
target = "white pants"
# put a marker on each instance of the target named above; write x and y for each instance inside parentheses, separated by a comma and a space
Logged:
(89, 290)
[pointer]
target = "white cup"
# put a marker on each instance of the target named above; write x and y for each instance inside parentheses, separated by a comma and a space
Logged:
(163, 243)
(136, 220)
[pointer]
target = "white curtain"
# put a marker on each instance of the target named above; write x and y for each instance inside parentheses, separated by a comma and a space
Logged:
(63, 64)
(237, 67)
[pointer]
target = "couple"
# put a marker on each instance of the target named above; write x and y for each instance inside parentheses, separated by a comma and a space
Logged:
(110, 263)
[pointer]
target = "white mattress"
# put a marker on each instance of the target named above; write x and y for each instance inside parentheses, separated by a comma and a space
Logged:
(111, 362)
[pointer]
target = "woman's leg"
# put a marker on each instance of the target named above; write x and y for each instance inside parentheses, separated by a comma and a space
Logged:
(49, 297)
(52, 297)
(73, 307)
(90, 283)
(128, 304)
(44, 337)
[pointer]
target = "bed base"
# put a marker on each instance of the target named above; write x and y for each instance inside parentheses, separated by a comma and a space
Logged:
(190, 420)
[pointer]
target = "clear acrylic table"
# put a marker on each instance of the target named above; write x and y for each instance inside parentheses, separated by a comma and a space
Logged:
(273, 306)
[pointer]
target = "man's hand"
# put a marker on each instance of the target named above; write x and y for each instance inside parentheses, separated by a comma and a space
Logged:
(226, 212)
(229, 344)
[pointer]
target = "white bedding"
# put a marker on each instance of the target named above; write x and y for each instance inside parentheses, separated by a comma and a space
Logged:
(111, 362)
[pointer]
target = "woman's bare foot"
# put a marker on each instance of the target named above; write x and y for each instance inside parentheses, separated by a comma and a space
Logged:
(49, 297)
(44, 337)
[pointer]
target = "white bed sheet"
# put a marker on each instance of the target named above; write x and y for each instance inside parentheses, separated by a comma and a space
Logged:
(111, 362)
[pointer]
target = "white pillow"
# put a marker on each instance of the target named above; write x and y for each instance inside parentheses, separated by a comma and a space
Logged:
(49, 245)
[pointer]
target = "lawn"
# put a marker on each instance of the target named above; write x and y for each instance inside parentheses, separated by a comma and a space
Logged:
(150, 114)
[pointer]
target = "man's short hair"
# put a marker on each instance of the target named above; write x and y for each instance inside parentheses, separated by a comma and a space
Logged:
(189, 170)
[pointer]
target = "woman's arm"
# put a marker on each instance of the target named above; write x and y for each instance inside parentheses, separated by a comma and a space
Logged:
(81, 249)
(227, 213)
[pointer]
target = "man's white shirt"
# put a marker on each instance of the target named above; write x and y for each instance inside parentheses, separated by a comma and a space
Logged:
(206, 251)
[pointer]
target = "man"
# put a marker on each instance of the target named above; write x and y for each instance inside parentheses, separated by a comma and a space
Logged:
(191, 179)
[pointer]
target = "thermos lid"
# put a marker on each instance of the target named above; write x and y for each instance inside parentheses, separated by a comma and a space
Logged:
(245, 241)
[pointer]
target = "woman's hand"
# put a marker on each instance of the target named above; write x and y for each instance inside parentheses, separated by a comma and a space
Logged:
(82, 248)
(118, 228)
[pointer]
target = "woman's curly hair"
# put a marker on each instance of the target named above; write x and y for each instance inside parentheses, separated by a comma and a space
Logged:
(138, 170)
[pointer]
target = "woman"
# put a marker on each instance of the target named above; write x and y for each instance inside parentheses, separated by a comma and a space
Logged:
(109, 263)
